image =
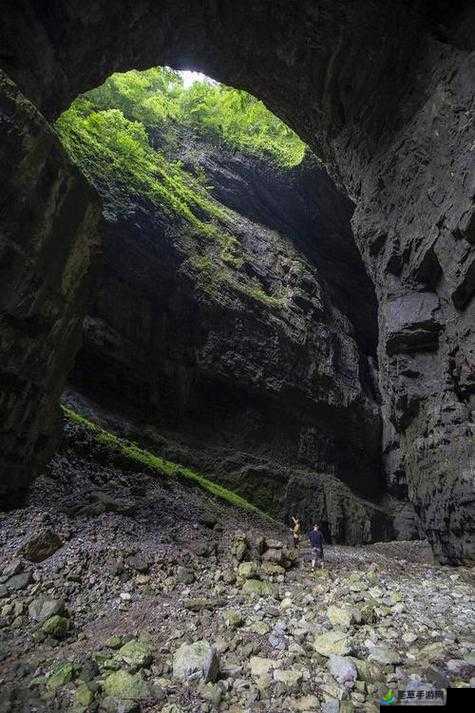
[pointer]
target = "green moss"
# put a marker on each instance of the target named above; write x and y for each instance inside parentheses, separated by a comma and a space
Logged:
(115, 155)
(109, 133)
(157, 97)
(160, 465)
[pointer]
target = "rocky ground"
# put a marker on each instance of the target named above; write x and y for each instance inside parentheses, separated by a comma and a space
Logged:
(121, 591)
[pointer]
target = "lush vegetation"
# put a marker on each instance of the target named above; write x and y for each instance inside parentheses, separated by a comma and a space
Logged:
(159, 98)
(159, 465)
(113, 134)
(116, 155)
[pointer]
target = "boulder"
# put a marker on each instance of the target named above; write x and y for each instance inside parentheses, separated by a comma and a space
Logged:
(41, 546)
(84, 695)
(291, 678)
(274, 544)
(342, 669)
(262, 666)
(43, 608)
(272, 569)
(240, 546)
(56, 626)
(262, 589)
(138, 562)
(18, 582)
(126, 686)
(197, 604)
(135, 653)
(332, 642)
(273, 555)
(233, 619)
(259, 627)
(368, 671)
(343, 616)
(248, 570)
(198, 660)
(384, 654)
(60, 676)
(185, 575)
(15, 566)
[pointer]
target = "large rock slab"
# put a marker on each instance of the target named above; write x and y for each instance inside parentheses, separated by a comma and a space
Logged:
(42, 608)
(41, 546)
(198, 660)
(332, 642)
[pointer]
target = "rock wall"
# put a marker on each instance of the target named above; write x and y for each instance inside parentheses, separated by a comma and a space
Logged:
(50, 219)
(383, 92)
(255, 368)
(420, 257)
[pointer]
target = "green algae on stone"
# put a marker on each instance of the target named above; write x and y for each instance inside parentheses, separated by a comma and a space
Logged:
(56, 626)
(262, 589)
(135, 653)
(60, 676)
(127, 686)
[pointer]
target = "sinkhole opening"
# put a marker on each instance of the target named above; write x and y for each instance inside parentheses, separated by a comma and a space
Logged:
(232, 317)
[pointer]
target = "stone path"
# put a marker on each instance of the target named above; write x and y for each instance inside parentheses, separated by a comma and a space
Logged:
(173, 602)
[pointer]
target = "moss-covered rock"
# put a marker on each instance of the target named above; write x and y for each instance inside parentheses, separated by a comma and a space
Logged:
(56, 626)
(135, 653)
(233, 619)
(83, 696)
(60, 676)
(248, 570)
(261, 588)
(127, 686)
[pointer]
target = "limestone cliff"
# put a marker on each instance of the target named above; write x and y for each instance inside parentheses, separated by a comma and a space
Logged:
(254, 361)
(383, 93)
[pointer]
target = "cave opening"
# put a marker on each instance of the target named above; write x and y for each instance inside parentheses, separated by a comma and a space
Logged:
(217, 333)
(232, 316)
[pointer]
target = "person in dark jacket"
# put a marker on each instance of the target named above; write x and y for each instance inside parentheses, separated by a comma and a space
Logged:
(316, 540)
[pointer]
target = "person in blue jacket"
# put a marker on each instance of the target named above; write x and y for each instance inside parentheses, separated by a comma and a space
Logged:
(316, 540)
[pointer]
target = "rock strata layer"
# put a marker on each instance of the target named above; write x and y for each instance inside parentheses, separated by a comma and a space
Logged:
(397, 134)
(260, 371)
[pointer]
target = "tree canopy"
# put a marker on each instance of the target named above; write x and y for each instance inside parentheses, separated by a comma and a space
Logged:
(158, 96)
(111, 134)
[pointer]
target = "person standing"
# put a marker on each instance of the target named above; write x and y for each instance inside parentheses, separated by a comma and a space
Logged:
(296, 531)
(316, 540)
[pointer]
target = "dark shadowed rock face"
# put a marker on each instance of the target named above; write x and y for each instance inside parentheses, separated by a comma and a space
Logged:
(384, 93)
(50, 219)
(257, 371)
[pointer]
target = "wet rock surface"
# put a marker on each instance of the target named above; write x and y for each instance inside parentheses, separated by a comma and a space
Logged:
(258, 372)
(42, 298)
(122, 639)
(397, 134)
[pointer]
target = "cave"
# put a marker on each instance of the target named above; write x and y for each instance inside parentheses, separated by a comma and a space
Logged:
(236, 355)
(383, 96)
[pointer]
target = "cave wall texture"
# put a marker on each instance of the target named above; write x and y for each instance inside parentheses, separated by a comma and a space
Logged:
(258, 370)
(383, 92)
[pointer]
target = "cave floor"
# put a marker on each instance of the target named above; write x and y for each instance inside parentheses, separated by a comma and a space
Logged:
(162, 563)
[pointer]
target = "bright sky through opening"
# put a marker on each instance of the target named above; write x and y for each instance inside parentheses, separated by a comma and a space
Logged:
(189, 77)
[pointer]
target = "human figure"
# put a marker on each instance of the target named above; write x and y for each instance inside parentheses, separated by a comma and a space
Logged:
(296, 531)
(316, 540)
